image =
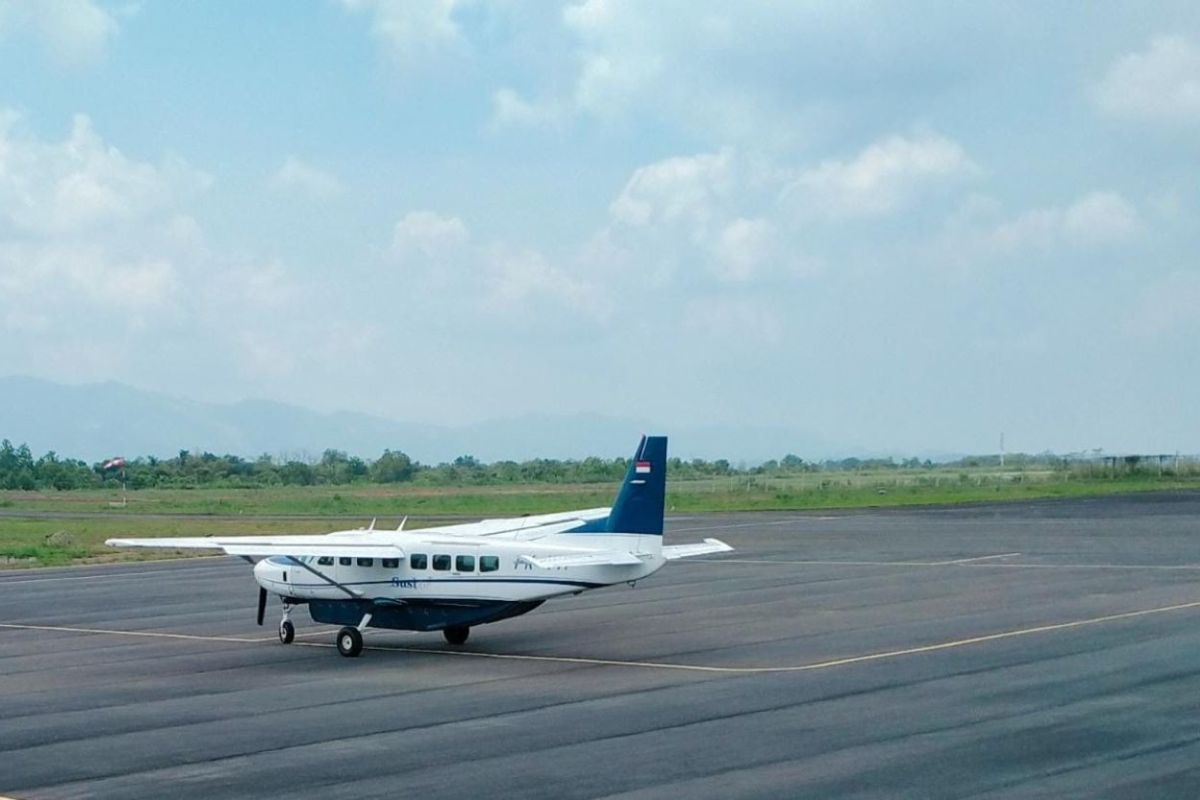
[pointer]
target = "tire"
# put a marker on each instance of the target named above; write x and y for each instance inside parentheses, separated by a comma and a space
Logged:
(287, 632)
(349, 642)
(456, 634)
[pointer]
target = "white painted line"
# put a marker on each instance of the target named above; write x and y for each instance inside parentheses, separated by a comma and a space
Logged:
(958, 563)
(117, 577)
(146, 634)
(981, 558)
(604, 662)
(788, 521)
(161, 635)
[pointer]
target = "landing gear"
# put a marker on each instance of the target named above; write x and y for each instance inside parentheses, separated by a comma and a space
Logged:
(456, 634)
(349, 639)
(349, 642)
(287, 631)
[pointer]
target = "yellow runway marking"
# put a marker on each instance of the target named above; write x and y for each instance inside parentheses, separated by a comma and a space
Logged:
(604, 662)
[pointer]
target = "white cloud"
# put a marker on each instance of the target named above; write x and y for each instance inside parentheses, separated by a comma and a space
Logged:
(742, 247)
(704, 217)
(686, 188)
(81, 184)
(439, 259)
(412, 30)
(509, 109)
(617, 59)
(882, 178)
(1160, 84)
(75, 276)
(1097, 218)
(75, 33)
(521, 275)
(297, 176)
(1101, 218)
(428, 235)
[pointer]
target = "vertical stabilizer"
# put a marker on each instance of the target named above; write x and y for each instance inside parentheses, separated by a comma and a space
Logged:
(639, 505)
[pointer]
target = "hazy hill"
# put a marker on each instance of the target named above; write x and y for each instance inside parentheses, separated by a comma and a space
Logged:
(96, 421)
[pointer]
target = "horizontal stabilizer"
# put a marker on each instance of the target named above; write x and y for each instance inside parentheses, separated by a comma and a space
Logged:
(607, 558)
(365, 546)
(707, 547)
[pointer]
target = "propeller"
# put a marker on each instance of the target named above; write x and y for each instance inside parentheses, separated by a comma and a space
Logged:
(262, 604)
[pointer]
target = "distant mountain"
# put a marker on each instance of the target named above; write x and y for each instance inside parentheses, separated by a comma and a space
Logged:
(95, 421)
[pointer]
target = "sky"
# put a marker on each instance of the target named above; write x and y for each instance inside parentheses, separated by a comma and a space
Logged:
(906, 226)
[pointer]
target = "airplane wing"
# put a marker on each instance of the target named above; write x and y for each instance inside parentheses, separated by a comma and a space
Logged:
(708, 546)
(365, 546)
(522, 527)
(607, 558)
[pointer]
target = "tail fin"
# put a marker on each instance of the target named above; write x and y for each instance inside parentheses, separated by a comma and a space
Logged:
(639, 505)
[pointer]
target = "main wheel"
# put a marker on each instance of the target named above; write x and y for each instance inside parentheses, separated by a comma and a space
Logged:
(287, 632)
(456, 634)
(349, 642)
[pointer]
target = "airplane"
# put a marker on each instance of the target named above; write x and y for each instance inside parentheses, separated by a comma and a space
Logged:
(452, 578)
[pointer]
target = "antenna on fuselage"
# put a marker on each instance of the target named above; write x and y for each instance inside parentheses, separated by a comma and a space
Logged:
(401, 527)
(372, 526)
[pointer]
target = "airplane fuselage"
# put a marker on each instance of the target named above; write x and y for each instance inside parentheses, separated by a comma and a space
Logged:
(456, 569)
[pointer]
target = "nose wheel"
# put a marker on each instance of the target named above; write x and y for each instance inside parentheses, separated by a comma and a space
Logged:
(287, 631)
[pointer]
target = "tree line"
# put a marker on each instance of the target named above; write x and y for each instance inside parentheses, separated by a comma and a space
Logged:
(19, 469)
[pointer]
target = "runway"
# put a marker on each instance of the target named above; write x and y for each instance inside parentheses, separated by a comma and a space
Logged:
(1047, 649)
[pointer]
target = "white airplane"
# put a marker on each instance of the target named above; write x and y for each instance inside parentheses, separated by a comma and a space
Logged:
(454, 577)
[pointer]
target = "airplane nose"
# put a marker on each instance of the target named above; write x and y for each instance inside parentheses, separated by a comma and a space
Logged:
(268, 574)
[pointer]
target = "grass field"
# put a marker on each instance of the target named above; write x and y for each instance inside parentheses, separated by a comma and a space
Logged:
(53, 528)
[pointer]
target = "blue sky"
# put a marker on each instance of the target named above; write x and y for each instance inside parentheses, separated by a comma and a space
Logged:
(903, 226)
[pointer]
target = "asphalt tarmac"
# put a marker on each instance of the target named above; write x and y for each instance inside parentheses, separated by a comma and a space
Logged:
(1046, 649)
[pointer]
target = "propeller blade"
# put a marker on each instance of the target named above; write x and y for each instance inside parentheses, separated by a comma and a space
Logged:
(262, 604)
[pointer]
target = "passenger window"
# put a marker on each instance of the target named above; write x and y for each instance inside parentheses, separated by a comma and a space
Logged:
(366, 562)
(418, 561)
(391, 563)
(465, 563)
(441, 562)
(489, 563)
(345, 561)
(325, 561)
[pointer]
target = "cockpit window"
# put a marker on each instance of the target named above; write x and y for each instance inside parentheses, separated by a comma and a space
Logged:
(325, 561)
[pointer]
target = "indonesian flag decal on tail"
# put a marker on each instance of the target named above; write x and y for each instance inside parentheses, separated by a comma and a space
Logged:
(642, 468)
(113, 463)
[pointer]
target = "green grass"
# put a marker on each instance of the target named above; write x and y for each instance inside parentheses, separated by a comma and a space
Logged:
(34, 541)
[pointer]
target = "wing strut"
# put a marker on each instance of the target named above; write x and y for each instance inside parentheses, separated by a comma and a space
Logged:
(356, 595)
